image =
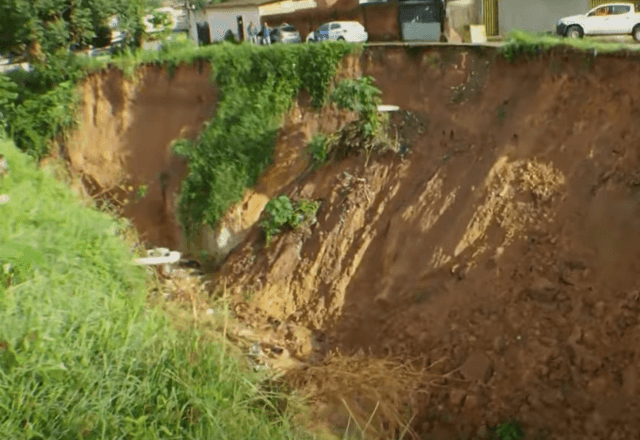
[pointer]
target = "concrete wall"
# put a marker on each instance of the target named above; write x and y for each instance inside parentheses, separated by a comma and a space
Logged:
(536, 15)
(222, 19)
(461, 13)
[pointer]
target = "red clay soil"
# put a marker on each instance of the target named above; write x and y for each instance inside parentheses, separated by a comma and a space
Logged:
(505, 244)
(124, 141)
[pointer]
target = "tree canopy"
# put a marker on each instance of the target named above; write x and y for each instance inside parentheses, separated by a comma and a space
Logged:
(40, 27)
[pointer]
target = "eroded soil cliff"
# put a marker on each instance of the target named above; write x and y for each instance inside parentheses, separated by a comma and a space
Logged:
(502, 249)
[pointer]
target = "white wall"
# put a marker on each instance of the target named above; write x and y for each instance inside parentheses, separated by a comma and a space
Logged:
(222, 19)
(536, 15)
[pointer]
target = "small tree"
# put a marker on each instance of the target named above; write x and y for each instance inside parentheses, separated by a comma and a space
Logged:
(37, 29)
(163, 22)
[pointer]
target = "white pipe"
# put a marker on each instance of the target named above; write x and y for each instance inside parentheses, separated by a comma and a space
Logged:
(172, 258)
(388, 108)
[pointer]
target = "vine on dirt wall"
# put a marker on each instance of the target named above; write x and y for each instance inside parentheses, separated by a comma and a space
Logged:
(257, 86)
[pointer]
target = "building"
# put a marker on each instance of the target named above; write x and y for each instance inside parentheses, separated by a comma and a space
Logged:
(384, 20)
(217, 21)
(500, 17)
(535, 15)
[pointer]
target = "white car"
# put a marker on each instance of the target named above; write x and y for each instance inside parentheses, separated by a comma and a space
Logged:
(285, 33)
(609, 19)
(350, 31)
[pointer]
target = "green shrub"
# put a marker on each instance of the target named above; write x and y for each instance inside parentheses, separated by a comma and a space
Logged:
(318, 149)
(361, 96)
(280, 212)
(40, 118)
(257, 86)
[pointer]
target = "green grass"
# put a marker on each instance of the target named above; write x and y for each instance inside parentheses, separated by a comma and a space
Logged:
(81, 354)
(519, 42)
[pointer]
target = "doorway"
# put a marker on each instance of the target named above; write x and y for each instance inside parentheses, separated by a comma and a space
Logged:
(240, 28)
(204, 36)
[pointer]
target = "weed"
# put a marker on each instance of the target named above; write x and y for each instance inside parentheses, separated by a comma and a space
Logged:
(142, 191)
(433, 60)
(319, 149)
(511, 430)
(281, 212)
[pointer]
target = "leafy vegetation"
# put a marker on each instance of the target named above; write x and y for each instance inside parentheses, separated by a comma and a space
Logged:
(257, 86)
(510, 430)
(319, 149)
(282, 212)
(41, 28)
(360, 96)
(81, 356)
(367, 133)
(525, 43)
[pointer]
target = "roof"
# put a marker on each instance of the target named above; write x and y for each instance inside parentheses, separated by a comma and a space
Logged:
(240, 3)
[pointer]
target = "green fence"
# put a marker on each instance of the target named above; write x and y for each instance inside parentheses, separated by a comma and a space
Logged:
(490, 16)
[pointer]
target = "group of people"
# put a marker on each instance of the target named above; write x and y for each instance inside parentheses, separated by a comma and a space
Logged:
(259, 37)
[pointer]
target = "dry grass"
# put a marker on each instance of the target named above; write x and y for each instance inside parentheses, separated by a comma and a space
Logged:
(361, 396)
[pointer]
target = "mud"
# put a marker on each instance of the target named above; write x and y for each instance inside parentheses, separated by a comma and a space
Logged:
(500, 248)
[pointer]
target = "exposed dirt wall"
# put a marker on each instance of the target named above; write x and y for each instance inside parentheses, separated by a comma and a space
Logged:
(503, 248)
(505, 245)
(124, 139)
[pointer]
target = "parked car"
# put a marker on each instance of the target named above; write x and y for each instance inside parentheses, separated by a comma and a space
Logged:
(350, 31)
(285, 33)
(608, 19)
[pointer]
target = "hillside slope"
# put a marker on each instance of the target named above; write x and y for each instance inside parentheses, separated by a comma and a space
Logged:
(505, 245)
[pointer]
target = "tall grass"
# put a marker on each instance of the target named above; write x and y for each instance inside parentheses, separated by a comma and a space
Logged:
(81, 356)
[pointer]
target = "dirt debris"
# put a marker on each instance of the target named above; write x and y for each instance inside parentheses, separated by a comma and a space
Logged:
(505, 244)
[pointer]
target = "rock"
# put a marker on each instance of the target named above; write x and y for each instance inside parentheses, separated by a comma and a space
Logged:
(471, 402)
(542, 290)
(477, 367)
(499, 344)
(456, 397)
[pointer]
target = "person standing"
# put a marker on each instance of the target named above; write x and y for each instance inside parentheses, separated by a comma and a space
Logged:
(266, 34)
(253, 33)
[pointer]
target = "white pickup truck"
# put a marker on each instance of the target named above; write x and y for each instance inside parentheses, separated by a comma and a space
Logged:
(609, 19)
